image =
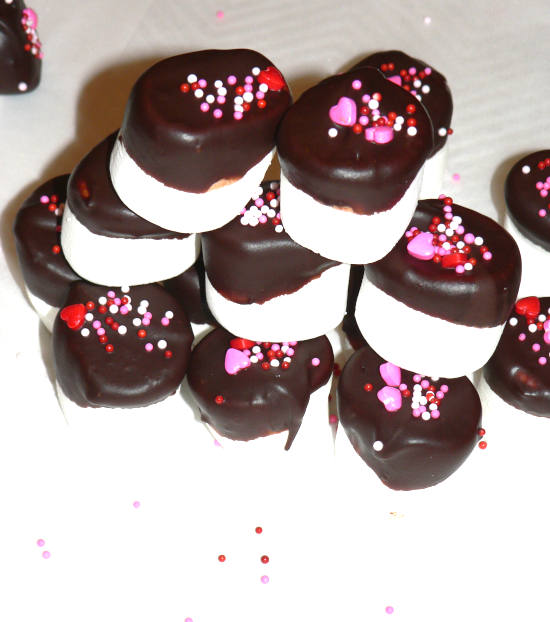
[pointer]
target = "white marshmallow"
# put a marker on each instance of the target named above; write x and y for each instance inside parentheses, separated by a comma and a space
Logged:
(313, 310)
(420, 342)
(177, 210)
(343, 235)
(45, 311)
(124, 261)
(535, 262)
(434, 170)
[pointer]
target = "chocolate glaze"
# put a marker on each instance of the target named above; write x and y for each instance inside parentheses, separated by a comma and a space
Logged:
(349, 324)
(94, 202)
(257, 402)
(482, 297)
(524, 200)
(128, 377)
(171, 139)
(249, 264)
(347, 170)
(514, 373)
(188, 289)
(415, 453)
(438, 100)
(37, 238)
(17, 64)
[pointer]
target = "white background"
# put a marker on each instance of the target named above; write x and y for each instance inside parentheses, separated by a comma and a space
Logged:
(473, 548)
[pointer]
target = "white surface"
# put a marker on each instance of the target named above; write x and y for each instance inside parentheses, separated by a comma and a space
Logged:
(474, 548)
(434, 174)
(174, 209)
(312, 310)
(343, 235)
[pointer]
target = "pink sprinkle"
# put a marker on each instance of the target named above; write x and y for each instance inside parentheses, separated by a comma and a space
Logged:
(546, 337)
(205, 107)
(435, 414)
(521, 337)
(412, 71)
(416, 412)
(428, 71)
(265, 579)
(290, 351)
(536, 346)
(136, 504)
(260, 95)
(148, 315)
(487, 255)
(237, 116)
(402, 386)
(110, 294)
(542, 360)
(459, 269)
(40, 542)
(365, 99)
(469, 238)
(248, 88)
(219, 15)
(442, 196)
(417, 378)
(202, 83)
(231, 80)
(260, 356)
(259, 202)
(220, 99)
(117, 301)
(247, 352)
(249, 79)
(146, 321)
(149, 347)
(96, 324)
(315, 362)
(290, 343)
(123, 310)
(389, 609)
(363, 120)
(456, 177)
(356, 84)
(424, 384)
(460, 229)
(544, 193)
(46, 554)
(217, 113)
(165, 321)
(275, 347)
(191, 619)
(100, 331)
(263, 219)
(539, 185)
(442, 237)
(332, 419)
(440, 395)
(444, 388)
(542, 213)
(44, 199)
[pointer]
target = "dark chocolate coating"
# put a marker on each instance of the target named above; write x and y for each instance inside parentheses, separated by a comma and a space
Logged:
(438, 101)
(482, 297)
(46, 273)
(17, 64)
(94, 202)
(257, 402)
(171, 139)
(524, 200)
(415, 453)
(128, 377)
(514, 373)
(254, 264)
(347, 170)
(188, 289)
(349, 323)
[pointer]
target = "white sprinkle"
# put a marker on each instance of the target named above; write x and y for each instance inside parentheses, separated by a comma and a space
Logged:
(378, 445)
(238, 100)
(129, 306)
(22, 86)
(435, 378)
(427, 20)
(244, 221)
(446, 246)
(287, 359)
(525, 169)
(426, 415)
(513, 321)
(542, 318)
(256, 349)
(478, 240)
(257, 193)
(532, 328)
(373, 104)
(89, 317)
(425, 89)
(210, 99)
(238, 108)
(125, 289)
(162, 344)
(113, 309)
(264, 209)
(142, 310)
(85, 332)
(136, 322)
(412, 131)
(284, 349)
(248, 97)
(271, 213)
(199, 93)
(449, 232)
(397, 127)
(441, 227)
(423, 400)
(169, 314)
(263, 88)
(457, 219)
(122, 330)
(333, 132)
(253, 221)
(417, 84)
(191, 78)
(218, 83)
(278, 228)
(468, 266)
(274, 203)
(460, 244)
(442, 131)
(255, 71)
(222, 91)
(253, 359)
(274, 363)
(415, 404)
(144, 303)
(432, 407)
(102, 300)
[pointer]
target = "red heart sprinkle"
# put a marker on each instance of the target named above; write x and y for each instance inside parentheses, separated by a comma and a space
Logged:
(241, 344)
(273, 78)
(73, 315)
(453, 259)
(529, 307)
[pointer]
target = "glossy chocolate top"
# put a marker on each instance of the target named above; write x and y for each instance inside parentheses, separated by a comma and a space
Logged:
(368, 171)
(37, 230)
(253, 259)
(240, 399)
(518, 371)
(188, 289)
(20, 48)
(527, 194)
(425, 83)
(94, 202)
(147, 331)
(409, 445)
(195, 119)
(475, 284)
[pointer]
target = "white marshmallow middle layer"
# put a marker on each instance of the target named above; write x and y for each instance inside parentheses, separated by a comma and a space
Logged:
(420, 342)
(124, 261)
(177, 210)
(434, 170)
(313, 310)
(343, 235)
(45, 311)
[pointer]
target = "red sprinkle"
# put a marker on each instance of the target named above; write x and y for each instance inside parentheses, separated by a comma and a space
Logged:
(481, 432)
(221, 558)
(264, 559)
(482, 444)
(258, 530)
(368, 386)
(219, 399)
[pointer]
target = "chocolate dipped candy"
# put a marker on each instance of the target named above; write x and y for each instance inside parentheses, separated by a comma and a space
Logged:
(37, 228)
(263, 285)
(20, 48)
(265, 394)
(352, 150)
(107, 243)
(413, 431)
(438, 302)
(197, 137)
(528, 218)
(431, 88)
(119, 348)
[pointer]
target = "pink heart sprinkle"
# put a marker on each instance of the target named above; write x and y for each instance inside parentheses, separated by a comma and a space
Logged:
(396, 80)
(345, 112)
(369, 134)
(383, 134)
(421, 247)
(391, 374)
(235, 360)
(390, 397)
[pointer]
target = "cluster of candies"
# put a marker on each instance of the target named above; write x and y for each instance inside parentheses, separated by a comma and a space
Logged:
(543, 185)
(242, 353)
(29, 22)
(56, 209)
(262, 209)
(537, 322)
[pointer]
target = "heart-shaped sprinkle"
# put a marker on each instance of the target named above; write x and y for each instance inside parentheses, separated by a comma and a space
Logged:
(73, 315)
(391, 374)
(273, 78)
(396, 80)
(344, 113)
(241, 344)
(235, 360)
(390, 397)
(421, 246)
(529, 307)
